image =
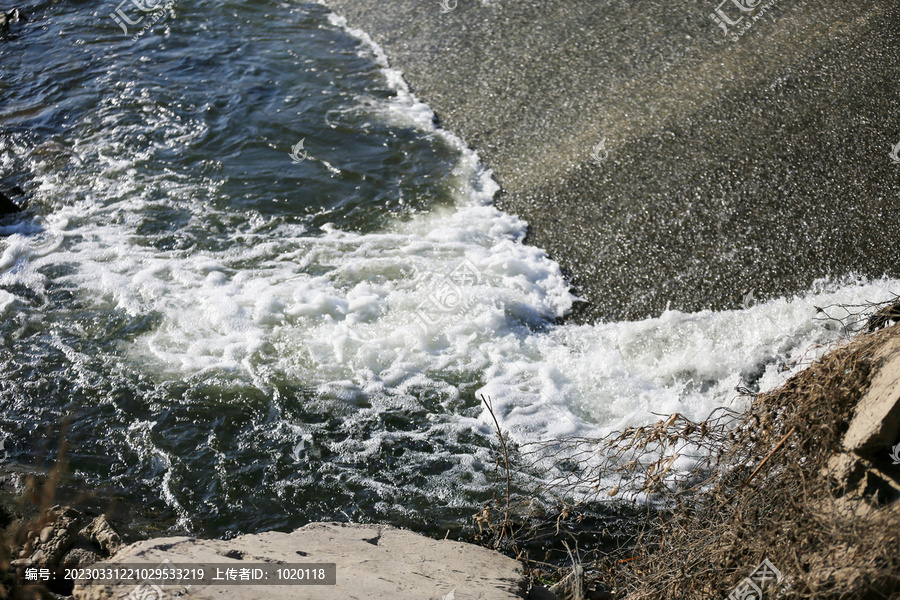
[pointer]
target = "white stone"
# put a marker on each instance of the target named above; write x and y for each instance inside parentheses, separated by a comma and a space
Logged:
(373, 562)
(876, 420)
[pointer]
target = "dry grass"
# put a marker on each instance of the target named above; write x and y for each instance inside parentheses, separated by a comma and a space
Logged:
(767, 496)
(758, 488)
(19, 536)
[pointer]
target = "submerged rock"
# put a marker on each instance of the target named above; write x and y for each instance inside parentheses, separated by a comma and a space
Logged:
(7, 206)
(13, 16)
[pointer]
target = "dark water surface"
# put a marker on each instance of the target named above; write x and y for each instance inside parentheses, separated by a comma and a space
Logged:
(249, 334)
(181, 138)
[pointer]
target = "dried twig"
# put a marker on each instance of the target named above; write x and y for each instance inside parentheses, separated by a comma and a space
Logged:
(505, 525)
(766, 459)
(706, 528)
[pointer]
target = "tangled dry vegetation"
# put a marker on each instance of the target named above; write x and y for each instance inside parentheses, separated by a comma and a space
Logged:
(18, 535)
(766, 484)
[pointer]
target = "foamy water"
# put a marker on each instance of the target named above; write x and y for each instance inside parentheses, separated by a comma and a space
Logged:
(384, 339)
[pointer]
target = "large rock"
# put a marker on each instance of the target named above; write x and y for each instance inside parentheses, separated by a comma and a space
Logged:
(727, 165)
(13, 16)
(47, 547)
(101, 533)
(876, 421)
(864, 469)
(373, 562)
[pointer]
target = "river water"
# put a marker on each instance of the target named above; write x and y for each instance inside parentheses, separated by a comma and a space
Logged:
(265, 289)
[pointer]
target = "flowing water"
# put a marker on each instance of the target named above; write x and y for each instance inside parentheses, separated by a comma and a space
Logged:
(265, 289)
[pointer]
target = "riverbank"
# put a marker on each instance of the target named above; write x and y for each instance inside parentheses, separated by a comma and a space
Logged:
(659, 160)
(799, 495)
(327, 561)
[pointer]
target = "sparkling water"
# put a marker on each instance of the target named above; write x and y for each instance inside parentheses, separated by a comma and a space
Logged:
(265, 289)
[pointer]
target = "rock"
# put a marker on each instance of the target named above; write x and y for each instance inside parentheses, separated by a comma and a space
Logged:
(884, 317)
(876, 421)
(857, 473)
(539, 592)
(6, 516)
(53, 544)
(373, 562)
(80, 557)
(46, 533)
(13, 16)
(101, 533)
(7, 206)
(844, 470)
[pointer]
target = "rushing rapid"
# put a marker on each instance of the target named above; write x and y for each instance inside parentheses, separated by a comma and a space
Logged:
(266, 289)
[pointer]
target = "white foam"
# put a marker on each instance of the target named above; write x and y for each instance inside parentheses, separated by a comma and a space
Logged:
(442, 299)
(7, 300)
(406, 108)
(138, 438)
(610, 376)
